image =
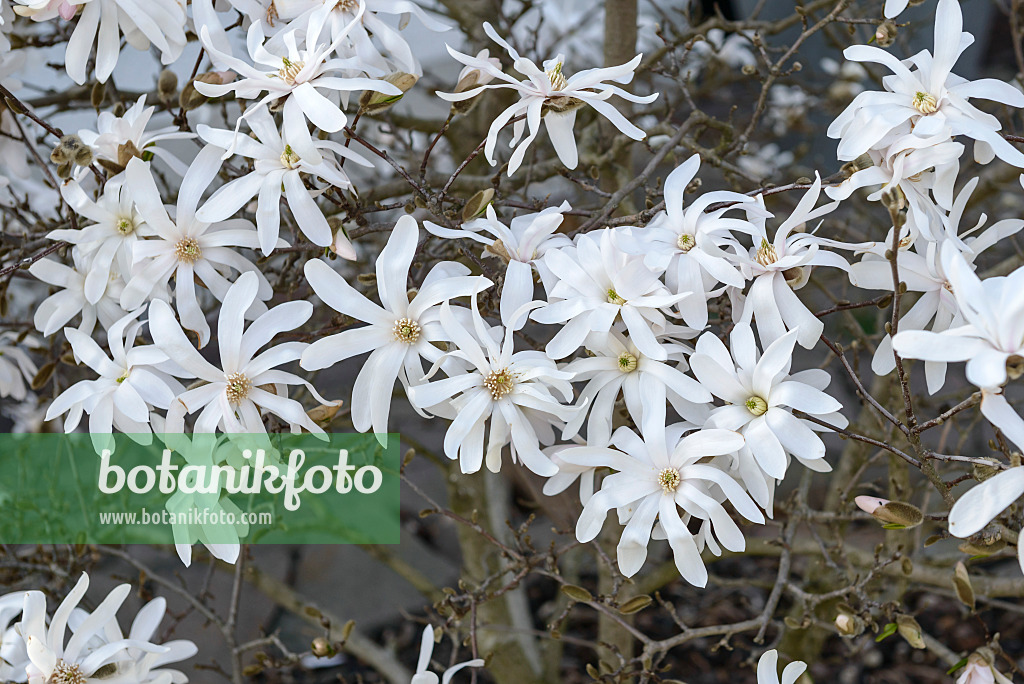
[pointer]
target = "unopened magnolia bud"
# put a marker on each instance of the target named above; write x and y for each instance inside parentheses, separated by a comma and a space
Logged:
(849, 624)
(885, 34)
(962, 585)
(869, 504)
(126, 152)
(322, 648)
(477, 204)
(899, 515)
(191, 98)
(910, 630)
(372, 102)
(97, 94)
(71, 149)
(64, 170)
(167, 86)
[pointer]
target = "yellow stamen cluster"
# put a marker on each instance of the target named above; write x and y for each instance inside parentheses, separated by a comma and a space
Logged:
(290, 71)
(614, 298)
(756, 405)
(500, 383)
(406, 330)
(925, 103)
(685, 242)
(289, 159)
(237, 388)
(669, 479)
(627, 362)
(125, 226)
(65, 673)
(766, 254)
(557, 78)
(188, 250)
(346, 5)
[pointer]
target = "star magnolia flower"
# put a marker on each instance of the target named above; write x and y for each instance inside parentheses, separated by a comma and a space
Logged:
(119, 138)
(160, 22)
(522, 244)
(547, 95)
(111, 238)
(981, 505)
(59, 308)
(617, 365)
(423, 676)
(761, 394)
(596, 283)
(132, 381)
(780, 266)
(655, 477)
(928, 100)
(512, 390)
(686, 244)
(13, 652)
(186, 247)
(400, 331)
(297, 77)
(993, 310)
(921, 269)
(233, 395)
(768, 669)
(96, 651)
(15, 364)
(277, 165)
(980, 669)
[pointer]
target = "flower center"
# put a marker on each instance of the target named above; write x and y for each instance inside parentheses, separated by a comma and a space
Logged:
(406, 330)
(756, 405)
(614, 298)
(346, 5)
(290, 71)
(125, 226)
(685, 242)
(188, 250)
(925, 103)
(669, 479)
(557, 78)
(766, 254)
(237, 388)
(500, 383)
(64, 673)
(124, 376)
(627, 362)
(289, 159)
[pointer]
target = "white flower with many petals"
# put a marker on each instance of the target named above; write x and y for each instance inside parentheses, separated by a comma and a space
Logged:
(973, 511)
(980, 669)
(16, 366)
(132, 382)
(512, 391)
(927, 100)
(655, 477)
(401, 331)
(297, 76)
(768, 669)
(232, 396)
(118, 138)
(760, 395)
(522, 243)
(423, 675)
(186, 247)
(548, 95)
(595, 284)
(71, 300)
(276, 166)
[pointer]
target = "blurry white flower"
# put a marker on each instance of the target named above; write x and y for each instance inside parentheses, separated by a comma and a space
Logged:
(546, 94)
(400, 332)
(980, 669)
(423, 676)
(248, 381)
(276, 165)
(768, 669)
(16, 366)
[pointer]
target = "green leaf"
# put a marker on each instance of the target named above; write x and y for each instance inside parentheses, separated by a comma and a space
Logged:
(888, 631)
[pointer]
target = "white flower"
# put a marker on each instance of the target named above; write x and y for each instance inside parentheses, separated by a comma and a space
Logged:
(118, 138)
(760, 395)
(768, 669)
(928, 100)
(423, 676)
(617, 365)
(510, 390)
(993, 312)
(233, 395)
(13, 652)
(400, 331)
(522, 244)
(687, 244)
(186, 247)
(780, 266)
(15, 364)
(982, 504)
(160, 22)
(276, 165)
(546, 94)
(110, 239)
(655, 477)
(132, 381)
(297, 77)
(980, 669)
(96, 651)
(597, 284)
(59, 308)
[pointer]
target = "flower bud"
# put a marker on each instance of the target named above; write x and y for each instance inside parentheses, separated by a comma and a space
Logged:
(372, 102)
(470, 78)
(885, 34)
(477, 204)
(910, 630)
(340, 245)
(322, 648)
(167, 86)
(962, 585)
(98, 94)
